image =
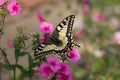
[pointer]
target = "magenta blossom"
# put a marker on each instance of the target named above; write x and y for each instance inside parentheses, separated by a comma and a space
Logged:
(100, 16)
(54, 63)
(45, 70)
(85, 10)
(43, 39)
(117, 37)
(14, 8)
(73, 55)
(2, 2)
(40, 17)
(10, 44)
(46, 27)
(64, 77)
(64, 69)
(86, 2)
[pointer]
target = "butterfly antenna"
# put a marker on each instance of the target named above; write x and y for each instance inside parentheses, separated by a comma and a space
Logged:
(76, 45)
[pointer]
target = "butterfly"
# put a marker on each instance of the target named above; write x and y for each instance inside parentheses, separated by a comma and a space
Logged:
(60, 41)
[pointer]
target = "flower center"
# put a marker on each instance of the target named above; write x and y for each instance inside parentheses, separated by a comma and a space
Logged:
(53, 63)
(15, 8)
(46, 28)
(46, 69)
(71, 55)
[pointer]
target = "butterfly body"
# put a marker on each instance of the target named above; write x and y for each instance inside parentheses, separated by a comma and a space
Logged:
(61, 40)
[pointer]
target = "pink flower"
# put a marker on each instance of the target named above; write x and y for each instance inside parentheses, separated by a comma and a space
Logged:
(45, 70)
(86, 2)
(14, 8)
(1, 6)
(2, 2)
(40, 17)
(43, 39)
(10, 44)
(73, 55)
(54, 63)
(46, 27)
(64, 77)
(100, 16)
(64, 69)
(85, 10)
(117, 37)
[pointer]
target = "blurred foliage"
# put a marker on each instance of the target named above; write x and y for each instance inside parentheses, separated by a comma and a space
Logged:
(21, 50)
(99, 35)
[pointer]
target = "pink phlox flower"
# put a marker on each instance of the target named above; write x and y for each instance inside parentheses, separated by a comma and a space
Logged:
(86, 2)
(46, 27)
(1, 6)
(43, 39)
(54, 63)
(14, 8)
(64, 69)
(86, 10)
(45, 70)
(2, 2)
(100, 16)
(10, 43)
(117, 37)
(64, 77)
(40, 17)
(73, 55)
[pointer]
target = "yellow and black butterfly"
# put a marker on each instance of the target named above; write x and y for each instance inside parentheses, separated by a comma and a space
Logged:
(61, 40)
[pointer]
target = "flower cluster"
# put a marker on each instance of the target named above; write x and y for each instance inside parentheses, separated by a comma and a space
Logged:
(86, 6)
(45, 27)
(54, 66)
(10, 43)
(100, 16)
(13, 7)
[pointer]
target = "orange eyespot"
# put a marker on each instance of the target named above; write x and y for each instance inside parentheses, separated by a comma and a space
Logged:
(67, 48)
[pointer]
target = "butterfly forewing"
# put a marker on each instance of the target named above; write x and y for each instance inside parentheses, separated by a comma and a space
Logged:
(58, 39)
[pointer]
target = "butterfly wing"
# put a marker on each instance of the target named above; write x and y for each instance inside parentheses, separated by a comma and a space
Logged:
(64, 29)
(59, 38)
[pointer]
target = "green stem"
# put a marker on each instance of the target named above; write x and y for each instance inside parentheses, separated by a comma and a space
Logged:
(14, 73)
(3, 20)
(4, 54)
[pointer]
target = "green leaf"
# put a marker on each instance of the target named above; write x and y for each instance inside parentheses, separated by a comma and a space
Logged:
(111, 61)
(30, 61)
(23, 53)
(1, 29)
(8, 66)
(96, 68)
(25, 74)
(20, 68)
(35, 40)
(80, 73)
(54, 77)
(2, 11)
(17, 53)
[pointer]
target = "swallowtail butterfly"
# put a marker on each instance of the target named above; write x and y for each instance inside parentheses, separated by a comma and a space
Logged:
(61, 40)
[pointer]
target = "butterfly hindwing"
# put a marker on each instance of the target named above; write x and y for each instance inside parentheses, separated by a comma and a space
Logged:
(58, 40)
